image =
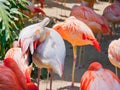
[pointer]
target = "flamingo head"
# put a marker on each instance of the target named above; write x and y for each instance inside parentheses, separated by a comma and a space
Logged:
(31, 36)
(95, 66)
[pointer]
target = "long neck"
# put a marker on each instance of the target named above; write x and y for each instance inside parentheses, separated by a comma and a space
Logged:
(43, 35)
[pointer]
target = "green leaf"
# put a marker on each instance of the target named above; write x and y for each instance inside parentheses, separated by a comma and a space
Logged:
(11, 22)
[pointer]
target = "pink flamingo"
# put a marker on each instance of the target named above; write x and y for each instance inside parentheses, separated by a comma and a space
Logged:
(15, 73)
(97, 23)
(76, 33)
(112, 13)
(113, 53)
(99, 78)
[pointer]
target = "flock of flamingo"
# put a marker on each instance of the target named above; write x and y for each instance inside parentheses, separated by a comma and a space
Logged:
(47, 49)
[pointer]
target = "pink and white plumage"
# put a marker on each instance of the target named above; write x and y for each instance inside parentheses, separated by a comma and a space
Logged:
(76, 32)
(22, 61)
(33, 9)
(31, 35)
(114, 53)
(51, 53)
(96, 22)
(98, 78)
(18, 63)
(112, 13)
(50, 48)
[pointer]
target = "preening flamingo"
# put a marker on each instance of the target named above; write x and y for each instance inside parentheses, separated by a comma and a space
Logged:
(76, 33)
(22, 63)
(12, 78)
(46, 45)
(99, 78)
(97, 23)
(112, 13)
(114, 53)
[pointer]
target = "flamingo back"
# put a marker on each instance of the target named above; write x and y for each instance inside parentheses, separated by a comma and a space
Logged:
(89, 16)
(96, 78)
(85, 13)
(114, 52)
(113, 8)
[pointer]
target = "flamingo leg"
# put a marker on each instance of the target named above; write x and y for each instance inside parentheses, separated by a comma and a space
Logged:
(39, 71)
(47, 79)
(116, 71)
(74, 63)
(81, 54)
(51, 79)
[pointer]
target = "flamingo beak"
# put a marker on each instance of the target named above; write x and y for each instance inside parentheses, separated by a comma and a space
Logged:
(36, 43)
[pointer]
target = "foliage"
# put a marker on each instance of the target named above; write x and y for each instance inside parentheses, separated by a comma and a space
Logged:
(11, 21)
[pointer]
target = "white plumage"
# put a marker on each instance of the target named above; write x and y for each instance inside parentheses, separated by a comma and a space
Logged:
(46, 46)
(51, 53)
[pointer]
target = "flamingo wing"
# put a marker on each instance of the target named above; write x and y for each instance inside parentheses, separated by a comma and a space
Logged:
(8, 79)
(10, 63)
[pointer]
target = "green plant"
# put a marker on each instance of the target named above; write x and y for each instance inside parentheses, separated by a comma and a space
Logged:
(11, 22)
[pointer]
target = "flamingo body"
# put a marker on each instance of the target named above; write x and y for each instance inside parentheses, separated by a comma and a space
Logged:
(16, 54)
(96, 78)
(15, 61)
(8, 80)
(112, 14)
(76, 32)
(97, 23)
(113, 52)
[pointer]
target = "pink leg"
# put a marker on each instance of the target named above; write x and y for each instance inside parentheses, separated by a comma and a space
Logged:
(74, 63)
(51, 75)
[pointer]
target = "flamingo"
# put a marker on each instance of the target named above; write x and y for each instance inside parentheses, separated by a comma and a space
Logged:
(22, 62)
(76, 33)
(12, 78)
(96, 22)
(46, 46)
(113, 53)
(112, 14)
(99, 78)
(34, 10)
